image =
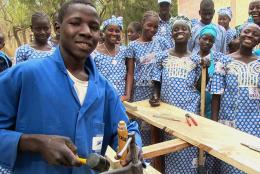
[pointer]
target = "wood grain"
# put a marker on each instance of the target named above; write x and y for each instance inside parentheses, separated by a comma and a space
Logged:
(217, 139)
(164, 148)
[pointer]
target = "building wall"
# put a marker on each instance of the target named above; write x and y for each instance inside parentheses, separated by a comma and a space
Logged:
(190, 8)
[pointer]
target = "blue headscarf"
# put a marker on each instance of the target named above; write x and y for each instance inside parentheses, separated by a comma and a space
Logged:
(113, 21)
(225, 11)
(209, 29)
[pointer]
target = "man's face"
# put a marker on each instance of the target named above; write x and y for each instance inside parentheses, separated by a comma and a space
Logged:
(164, 8)
(79, 31)
(206, 14)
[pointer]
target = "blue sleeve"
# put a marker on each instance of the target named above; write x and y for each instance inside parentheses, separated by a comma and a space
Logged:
(164, 44)
(224, 42)
(191, 42)
(20, 55)
(216, 84)
(118, 113)
(196, 59)
(157, 69)
(130, 50)
(9, 87)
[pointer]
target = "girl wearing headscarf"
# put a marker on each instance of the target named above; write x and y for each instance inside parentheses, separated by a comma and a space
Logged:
(180, 71)
(207, 38)
(110, 57)
(235, 89)
(224, 18)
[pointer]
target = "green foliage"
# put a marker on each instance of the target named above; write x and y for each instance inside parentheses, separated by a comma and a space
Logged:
(17, 13)
(131, 10)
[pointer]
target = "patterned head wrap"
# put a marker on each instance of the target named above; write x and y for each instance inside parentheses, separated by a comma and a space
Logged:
(180, 20)
(113, 21)
(249, 24)
(225, 11)
(209, 29)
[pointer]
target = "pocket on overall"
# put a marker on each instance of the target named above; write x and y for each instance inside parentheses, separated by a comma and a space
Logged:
(97, 137)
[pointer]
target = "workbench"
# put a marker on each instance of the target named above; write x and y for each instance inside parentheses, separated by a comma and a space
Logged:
(219, 140)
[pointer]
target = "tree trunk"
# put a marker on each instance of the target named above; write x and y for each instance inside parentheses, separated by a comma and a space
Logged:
(15, 31)
(24, 36)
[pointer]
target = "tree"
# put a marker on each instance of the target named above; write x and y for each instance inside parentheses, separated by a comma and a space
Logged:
(15, 15)
(131, 10)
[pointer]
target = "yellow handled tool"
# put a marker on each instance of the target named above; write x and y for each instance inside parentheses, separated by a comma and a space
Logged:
(82, 160)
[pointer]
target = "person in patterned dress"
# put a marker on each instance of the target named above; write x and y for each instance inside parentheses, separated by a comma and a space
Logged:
(143, 52)
(39, 48)
(145, 48)
(208, 35)
(180, 71)
(224, 18)
(110, 57)
(164, 28)
(206, 13)
(236, 94)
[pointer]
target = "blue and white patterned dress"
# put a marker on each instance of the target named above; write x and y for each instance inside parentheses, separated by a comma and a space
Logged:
(113, 68)
(230, 35)
(145, 61)
(26, 52)
(238, 85)
(144, 54)
(220, 42)
(164, 31)
(178, 88)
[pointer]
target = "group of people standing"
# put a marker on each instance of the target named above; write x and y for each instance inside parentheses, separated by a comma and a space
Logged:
(163, 62)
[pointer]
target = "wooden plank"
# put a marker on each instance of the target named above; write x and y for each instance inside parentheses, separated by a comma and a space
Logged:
(115, 164)
(110, 156)
(164, 148)
(217, 139)
(150, 170)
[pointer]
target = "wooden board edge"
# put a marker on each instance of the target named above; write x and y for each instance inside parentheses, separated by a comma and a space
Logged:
(164, 148)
